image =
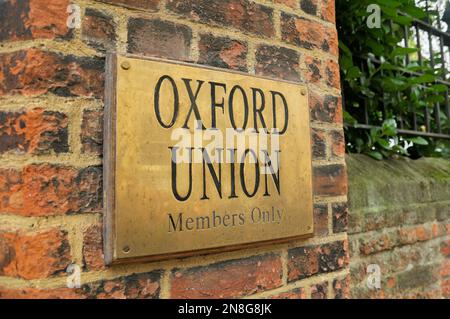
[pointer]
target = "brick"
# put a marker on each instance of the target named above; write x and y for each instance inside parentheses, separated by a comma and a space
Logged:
(337, 144)
(319, 144)
(304, 262)
(341, 288)
(93, 248)
(374, 221)
(319, 291)
(445, 268)
(325, 108)
(99, 30)
(328, 11)
(159, 38)
(222, 52)
(332, 74)
(411, 235)
(340, 217)
(297, 293)
(33, 19)
(33, 132)
(418, 277)
(48, 190)
(309, 6)
(33, 256)
(312, 70)
(134, 286)
(229, 279)
(150, 5)
(445, 248)
(308, 34)
(243, 15)
(320, 220)
(377, 243)
(33, 72)
(92, 132)
(330, 180)
(445, 288)
(277, 62)
(36, 293)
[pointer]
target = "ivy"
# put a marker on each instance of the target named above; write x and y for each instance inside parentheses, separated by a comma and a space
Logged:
(384, 82)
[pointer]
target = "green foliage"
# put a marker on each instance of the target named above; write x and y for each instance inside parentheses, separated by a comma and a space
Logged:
(387, 78)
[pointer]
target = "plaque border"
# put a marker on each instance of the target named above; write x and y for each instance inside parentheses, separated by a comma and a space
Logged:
(109, 165)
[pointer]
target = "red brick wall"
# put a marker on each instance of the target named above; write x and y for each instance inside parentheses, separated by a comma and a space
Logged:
(51, 102)
(400, 221)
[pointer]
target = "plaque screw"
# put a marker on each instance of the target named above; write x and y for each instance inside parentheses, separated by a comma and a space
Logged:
(125, 65)
(303, 91)
(126, 249)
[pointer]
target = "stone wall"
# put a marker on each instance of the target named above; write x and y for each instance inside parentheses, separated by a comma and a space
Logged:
(51, 104)
(400, 221)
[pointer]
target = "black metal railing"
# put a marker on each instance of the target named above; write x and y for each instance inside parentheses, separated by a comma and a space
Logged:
(430, 124)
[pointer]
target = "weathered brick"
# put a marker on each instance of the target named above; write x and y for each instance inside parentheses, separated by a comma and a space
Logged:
(411, 235)
(377, 243)
(419, 276)
(235, 278)
(33, 256)
(309, 6)
(445, 288)
(93, 248)
(99, 30)
(92, 132)
(328, 11)
(222, 52)
(151, 5)
(312, 260)
(159, 38)
(312, 69)
(341, 288)
(340, 217)
(297, 293)
(33, 72)
(325, 108)
(445, 248)
(445, 268)
(320, 219)
(319, 144)
(135, 286)
(332, 74)
(36, 293)
(34, 132)
(302, 263)
(319, 291)
(337, 144)
(244, 15)
(308, 34)
(330, 180)
(277, 62)
(48, 190)
(33, 19)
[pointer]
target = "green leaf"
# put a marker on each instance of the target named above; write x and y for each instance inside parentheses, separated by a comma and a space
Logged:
(439, 88)
(415, 12)
(418, 140)
(402, 51)
(426, 78)
(376, 155)
(384, 144)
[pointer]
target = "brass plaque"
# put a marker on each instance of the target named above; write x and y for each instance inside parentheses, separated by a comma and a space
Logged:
(199, 160)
